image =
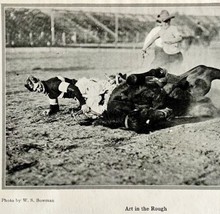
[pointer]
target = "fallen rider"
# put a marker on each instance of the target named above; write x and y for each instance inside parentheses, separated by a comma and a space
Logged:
(92, 94)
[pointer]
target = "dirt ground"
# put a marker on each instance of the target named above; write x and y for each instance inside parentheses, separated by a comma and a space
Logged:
(56, 151)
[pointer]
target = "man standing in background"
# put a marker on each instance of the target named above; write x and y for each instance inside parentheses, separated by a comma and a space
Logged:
(158, 46)
(170, 38)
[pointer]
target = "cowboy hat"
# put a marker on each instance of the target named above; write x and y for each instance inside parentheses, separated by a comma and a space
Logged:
(164, 16)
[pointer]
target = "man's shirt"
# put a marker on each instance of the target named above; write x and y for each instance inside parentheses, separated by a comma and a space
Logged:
(169, 35)
(96, 92)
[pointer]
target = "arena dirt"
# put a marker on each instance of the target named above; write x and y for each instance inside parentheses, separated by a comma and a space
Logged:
(56, 151)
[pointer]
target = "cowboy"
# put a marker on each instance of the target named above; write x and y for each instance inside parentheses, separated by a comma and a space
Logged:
(158, 46)
(171, 39)
(92, 94)
(54, 88)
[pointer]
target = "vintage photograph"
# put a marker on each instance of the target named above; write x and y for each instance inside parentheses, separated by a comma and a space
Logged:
(111, 96)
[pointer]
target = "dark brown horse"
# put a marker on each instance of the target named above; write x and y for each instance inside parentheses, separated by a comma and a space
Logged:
(147, 99)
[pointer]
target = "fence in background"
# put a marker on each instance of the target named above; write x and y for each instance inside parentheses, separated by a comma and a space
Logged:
(35, 28)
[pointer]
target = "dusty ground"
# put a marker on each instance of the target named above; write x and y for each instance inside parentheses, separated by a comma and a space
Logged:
(54, 151)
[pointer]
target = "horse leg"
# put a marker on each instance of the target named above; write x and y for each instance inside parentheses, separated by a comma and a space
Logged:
(200, 79)
(140, 79)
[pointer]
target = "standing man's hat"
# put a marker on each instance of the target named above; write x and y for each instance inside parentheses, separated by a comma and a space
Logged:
(164, 16)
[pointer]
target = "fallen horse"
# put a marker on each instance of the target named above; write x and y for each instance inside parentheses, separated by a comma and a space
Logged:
(145, 100)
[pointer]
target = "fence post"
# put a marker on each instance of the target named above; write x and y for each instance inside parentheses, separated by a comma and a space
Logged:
(8, 38)
(74, 37)
(31, 38)
(64, 38)
(116, 30)
(52, 28)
